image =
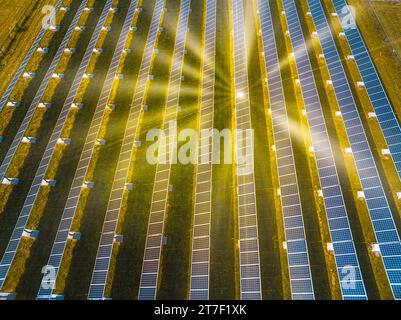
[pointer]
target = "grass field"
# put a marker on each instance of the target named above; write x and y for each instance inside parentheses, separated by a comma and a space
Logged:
(380, 30)
(21, 23)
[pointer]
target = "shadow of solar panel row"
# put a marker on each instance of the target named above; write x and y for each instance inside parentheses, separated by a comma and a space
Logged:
(250, 286)
(64, 229)
(200, 255)
(12, 247)
(340, 231)
(381, 215)
(297, 248)
(105, 248)
(154, 238)
(25, 62)
(39, 94)
(374, 87)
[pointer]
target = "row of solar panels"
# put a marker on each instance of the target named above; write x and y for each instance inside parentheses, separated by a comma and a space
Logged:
(298, 258)
(250, 280)
(24, 64)
(161, 188)
(39, 179)
(340, 230)
(79, 182)
(13, 244)
(344, 249)
(200, 254)
(120, 183)
(376, 199)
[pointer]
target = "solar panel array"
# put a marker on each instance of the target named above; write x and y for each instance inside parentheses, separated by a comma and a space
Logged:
(79, 181)
(377, 95)
(154, 237)
(200, 255)
(336, 212)
(58, 129)
(250, 286)
(379, 210)
(297, 248)
(25, 62)
(39, 94)
(105, 249)
(19, 228)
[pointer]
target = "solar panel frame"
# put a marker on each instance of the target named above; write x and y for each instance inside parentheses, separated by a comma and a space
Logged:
(332, 192)
(286, 163)
(149, 275)
(388, 121)
(25, 62)
(13, 244)
(250, 285)
(60, 242)
(200, 268)
(375, 196)
(97, 289)
(39, 94)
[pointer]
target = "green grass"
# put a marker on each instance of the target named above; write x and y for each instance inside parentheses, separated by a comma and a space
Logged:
(21, 22)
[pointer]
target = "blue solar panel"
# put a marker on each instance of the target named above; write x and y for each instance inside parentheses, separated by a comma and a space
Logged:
(39, 94)
(384, 226)
(376, 92)
(332, 195)
(250, 286)
(63, 231)
(200, 265)
(150, 273)
(34, 190)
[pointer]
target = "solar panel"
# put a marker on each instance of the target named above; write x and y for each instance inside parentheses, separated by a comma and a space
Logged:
(152, 255)
(104, 253)
(39, 94)
(301, 281)
(336, 212)
(379, 210)
(200, 258)
(250, 285)
(71, 205)
(374, 87)
(13, 243)
(25, 62)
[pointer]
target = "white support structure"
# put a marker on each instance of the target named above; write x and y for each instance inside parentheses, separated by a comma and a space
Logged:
(70, 50)
(74, 236)
(42, 50)
(14, 104)
(78, 106)
(29, 140)
(48, 183)
(29, 233)
(45, 105)
(64, 141)
(29, 75)
(11, 181)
